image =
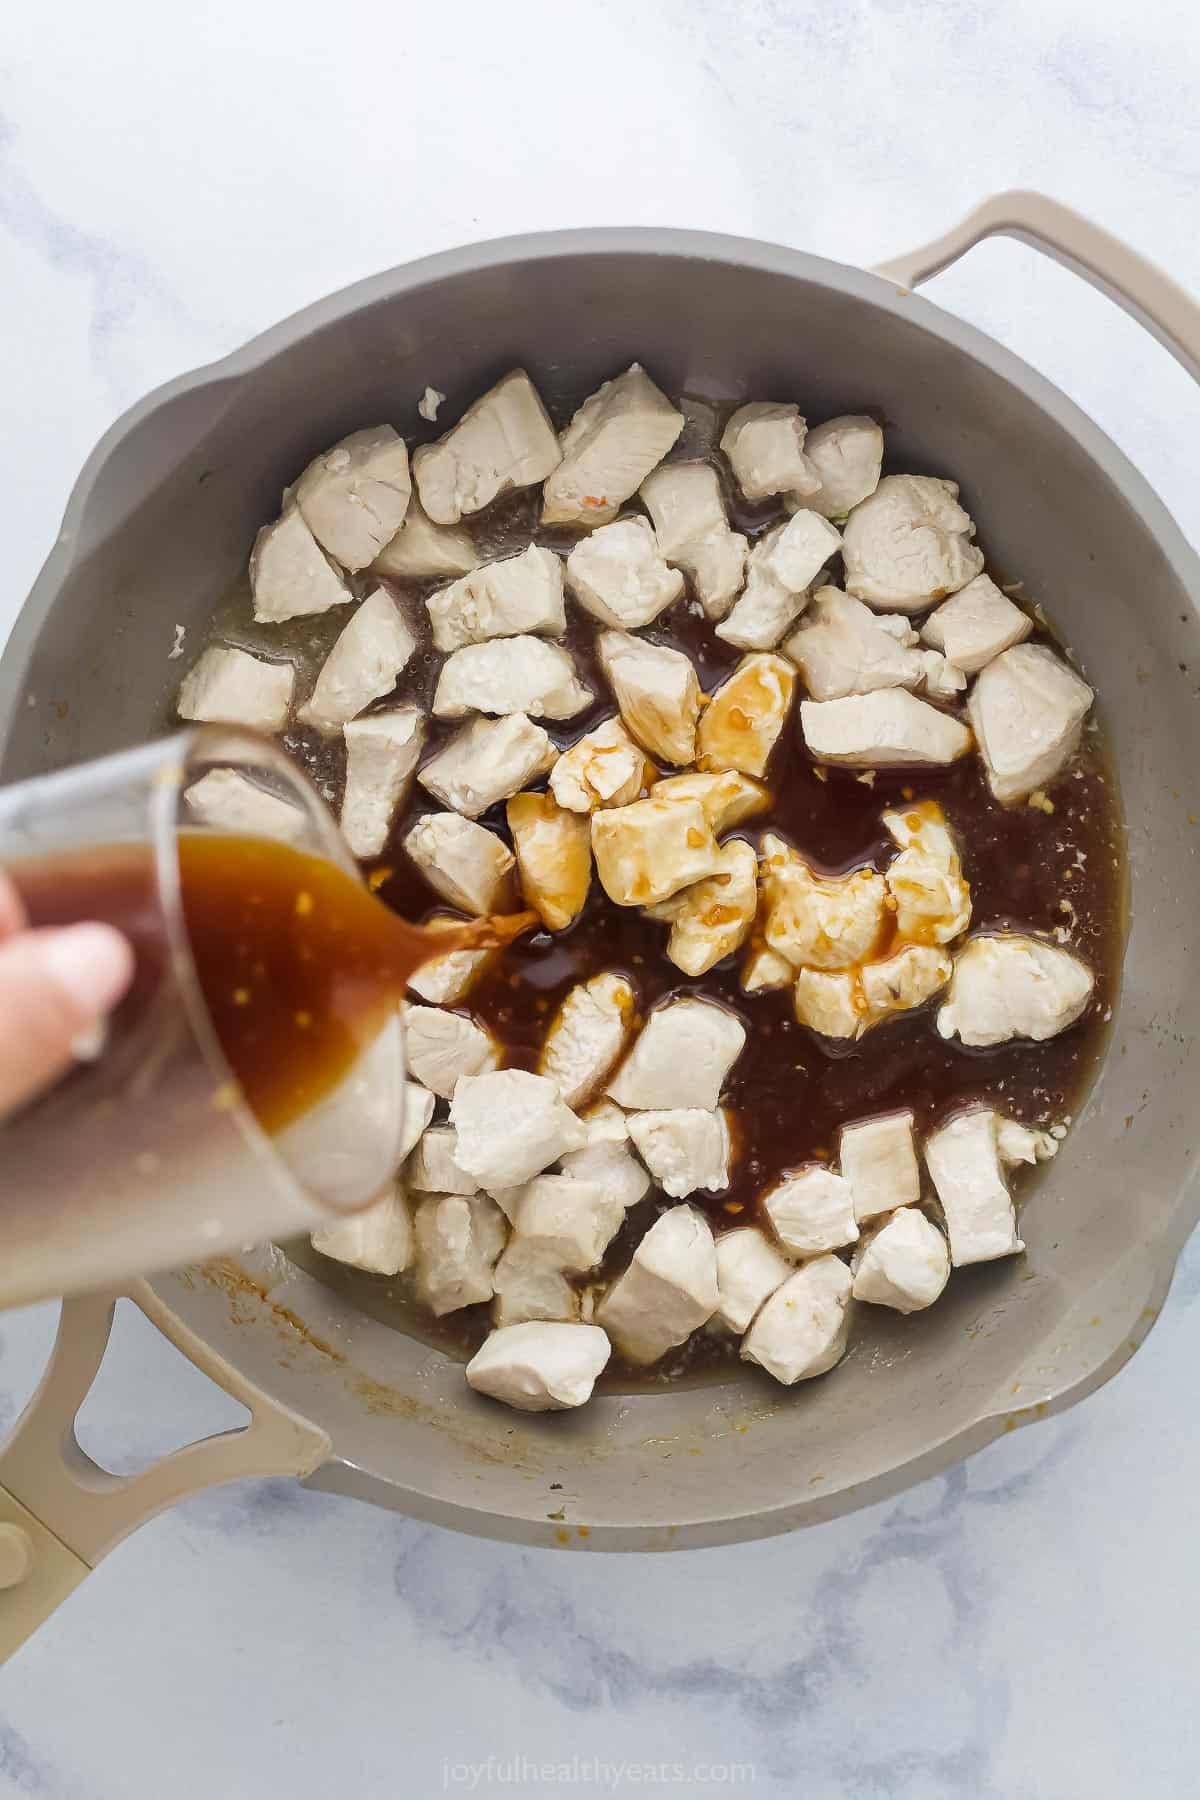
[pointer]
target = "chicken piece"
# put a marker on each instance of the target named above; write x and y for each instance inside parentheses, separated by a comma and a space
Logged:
(505, 440)
(572, 1220)
(382, 753)
(811, 1211)
(741, 724)
(446, 980)
(619, 575)
(290, 575)
(511, 1125)
(765, 970)
(587, 1036)
(684, 501)
(657, 692)
(818, 922)
(764, 442)
(510, 675)
(530, 1284)
(458, 1240)
(465, 863)
(681, 1059)
(362, 666)
(539, 1367)
(226, 800)
(418, 1111)
(684, 1148)
(842, 648)
(421, 550)
(904, 1264)
(963, 1159)
(668, 1291)
(831, 1002)
(879, 1160)
(602, 768)
(1006, 985)
(487, 761)
(847, 455)
(890, 728)
(975, 625)
(749, 1269)
(909, 544)
(801, 1329)
(780, 571)
(1018, 1144)
(933, 901)
(353, 498)
(433, 1168)
(726, 796)
(712, 919)
(618, 435)
(554, 857)
(1027, 709)
(904, 980)
(510, 598)
(444, 1046)
(650, 850)
(231, 687)
(939, 678)
(378, 1239)
(610, 1166)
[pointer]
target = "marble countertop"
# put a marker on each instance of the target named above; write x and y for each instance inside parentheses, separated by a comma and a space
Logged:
(1017, 1629)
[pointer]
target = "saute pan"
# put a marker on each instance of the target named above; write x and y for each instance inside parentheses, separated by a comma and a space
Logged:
(158, 526)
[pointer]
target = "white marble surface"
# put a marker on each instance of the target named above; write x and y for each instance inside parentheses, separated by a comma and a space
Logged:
(171, 182)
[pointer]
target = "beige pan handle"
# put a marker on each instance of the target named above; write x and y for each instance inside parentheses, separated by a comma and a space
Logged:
(1139, 287)
(60, 1512)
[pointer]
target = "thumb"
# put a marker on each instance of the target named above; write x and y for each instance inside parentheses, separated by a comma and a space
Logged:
(54, 985)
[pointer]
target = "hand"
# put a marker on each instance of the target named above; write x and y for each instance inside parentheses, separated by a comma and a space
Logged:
(54, 986)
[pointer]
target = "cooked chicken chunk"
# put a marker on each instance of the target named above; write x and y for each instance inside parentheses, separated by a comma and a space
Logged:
(458, 1239)
(554, 857)
(505, 440)
(650, 850)
(569, 1219)
(611, 1166)
(421, 550)
(780, 571)
(1007, 986)
(445, 980)
(1019, 1144)
(800, 1330)
(353, 498)
(681, 1059)
(712, 919)
(1027, 708)
(231, 687)
(847, 454)
(433, 1168)
(726, 796)
(465, 863)
(542, 1367)
(510, 598)
(227, 800)
(290, 575)
(602, 768)
(418, 1106)
(530, 1284)
(907, 978)
(830, 1001)
(620, 576)
(443, 1047)
(741, 724)
(764, 970)
(657, 692)
(842, 648)
(749, 1269)
(487, 761)
(511, 1125)
(378, 1239)
(764, 442)
(587, 1036)
(933, 901)
(964, 1161)
(889, 728)
(382, 752)
(815, 921)
(619, 434)
(684, 501)
(909, 544)
(668, 1291)
(940, 678)
(510, 675)
(879, 1160)
(811, 1211)
(904, 1264)
(684, 1148)
(362, 666)
(975, 625)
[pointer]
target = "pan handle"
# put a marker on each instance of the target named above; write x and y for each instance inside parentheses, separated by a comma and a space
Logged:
(1137, 285)
(60, 1512)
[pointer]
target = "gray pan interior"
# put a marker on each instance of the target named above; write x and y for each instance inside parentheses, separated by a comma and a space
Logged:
(161, 522)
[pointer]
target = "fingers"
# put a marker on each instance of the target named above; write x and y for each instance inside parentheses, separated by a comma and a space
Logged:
(53, 986)
(12, 913)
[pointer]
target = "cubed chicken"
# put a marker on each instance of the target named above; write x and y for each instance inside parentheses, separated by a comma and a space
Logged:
(904, 1264)
(650, 850)
(433, 1167)
(963, 1159)
(712, 919)
(458, 1240)
(620, 576)
(505, 440)
(445, 980)
(890, 728)
(511, 1125)
(421, 550)
(684, 500)
(939, 678)
(290, 575)
(815, 921)
(846, 454)
(904, 980)
(378, 1239)
(618, 435)
(800, 1331)
(510, 675)
(1017, 1143)
(842, 648)
(933, 901)
(465, 863)
(764, 442)
(741, 724)
(602, 768)
(554, 857)
(530, 1284)
(878, 1158)
(657, 692)
(443, 1047)
(611, 1166)
(749, 1269)
(975, 625)
(539, 1367)
(362, 666)
(812, 1211)
(231, 687)
(1006, 986)
(681, 1059)
(780, 571)
(831, 1002)
(353, 498)
(418, 1111)
(587, 1035)
(226, 800)
(510, 598)
(1027, 708)
(382, 753)
(726, 796)
(487, 761)
(765, 970)
(909, 544)
(684, 1148)
(668, 1291)
(570, 1219)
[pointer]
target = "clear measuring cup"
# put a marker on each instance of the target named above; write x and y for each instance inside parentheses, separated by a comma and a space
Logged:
(144, 1156)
